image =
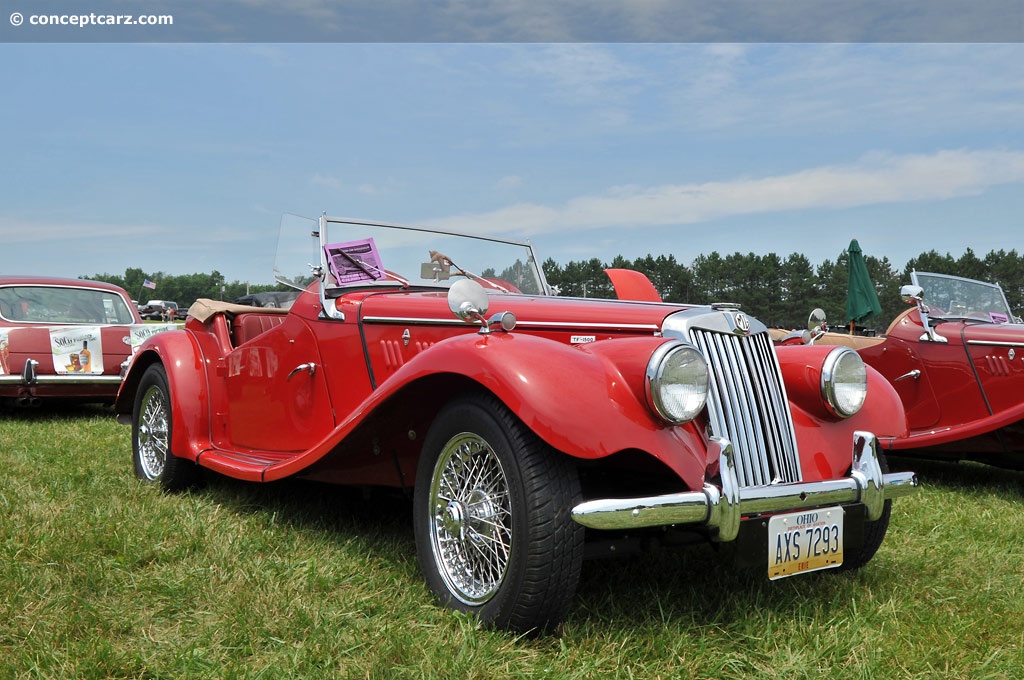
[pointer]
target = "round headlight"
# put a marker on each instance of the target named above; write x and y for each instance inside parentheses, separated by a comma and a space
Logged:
(677, 382)
(844, 382)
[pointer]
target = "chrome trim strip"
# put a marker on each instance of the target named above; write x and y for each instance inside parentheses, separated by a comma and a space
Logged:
(567, 325)
(995, 343)
(449, 321)
(721, 508)
(61, 380)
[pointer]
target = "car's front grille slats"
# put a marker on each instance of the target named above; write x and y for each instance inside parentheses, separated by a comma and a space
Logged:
(747, 404)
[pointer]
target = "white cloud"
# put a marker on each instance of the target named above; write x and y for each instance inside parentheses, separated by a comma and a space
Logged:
(510, 182)
(14, 230)
(327, 181)
(877, 178)
(584, 72)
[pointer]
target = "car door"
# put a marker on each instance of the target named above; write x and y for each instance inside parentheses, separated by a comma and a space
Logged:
(911, 368)
(277, 396)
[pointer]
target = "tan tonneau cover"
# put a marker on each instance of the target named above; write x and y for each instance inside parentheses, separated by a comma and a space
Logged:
(204, 309)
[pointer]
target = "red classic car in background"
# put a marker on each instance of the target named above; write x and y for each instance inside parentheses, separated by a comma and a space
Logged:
(956, 358)
(552, 429)
(63, 339)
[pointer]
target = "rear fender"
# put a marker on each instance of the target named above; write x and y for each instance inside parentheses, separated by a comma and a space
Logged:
(182, 359)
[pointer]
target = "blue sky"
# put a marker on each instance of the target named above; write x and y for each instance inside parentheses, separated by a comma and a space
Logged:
(182, 157)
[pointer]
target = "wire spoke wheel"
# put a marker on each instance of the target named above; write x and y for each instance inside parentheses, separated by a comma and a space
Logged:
(153, 437)
(152, 425)
(494, 535)
(471, 523)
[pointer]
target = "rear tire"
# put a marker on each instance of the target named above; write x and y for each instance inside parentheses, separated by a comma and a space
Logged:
(494, 535)
(151, 435)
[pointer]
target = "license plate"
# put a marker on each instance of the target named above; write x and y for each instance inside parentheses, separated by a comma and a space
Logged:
(805, 541)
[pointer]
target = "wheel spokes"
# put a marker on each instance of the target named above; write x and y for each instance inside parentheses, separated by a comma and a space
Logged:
(153, 436)
(471, 528)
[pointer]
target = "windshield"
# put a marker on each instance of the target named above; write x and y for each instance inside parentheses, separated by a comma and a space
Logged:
(952, 297)
(359, 254)
(63, 305)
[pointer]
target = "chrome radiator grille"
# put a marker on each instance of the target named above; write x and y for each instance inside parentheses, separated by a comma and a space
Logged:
(747, 404)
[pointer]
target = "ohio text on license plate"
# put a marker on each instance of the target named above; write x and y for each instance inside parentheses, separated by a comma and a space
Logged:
(805, 541)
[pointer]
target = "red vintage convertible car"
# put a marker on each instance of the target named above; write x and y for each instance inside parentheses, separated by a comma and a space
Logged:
(551, 429)
(956, 358)
(65, 339)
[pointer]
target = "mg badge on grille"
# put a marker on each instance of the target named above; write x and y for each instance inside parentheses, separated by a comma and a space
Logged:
(742, 322)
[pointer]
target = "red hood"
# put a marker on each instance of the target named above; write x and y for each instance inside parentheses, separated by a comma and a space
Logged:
(532, 312)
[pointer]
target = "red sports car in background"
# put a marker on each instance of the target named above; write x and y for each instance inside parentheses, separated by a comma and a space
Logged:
(956, 359)
(551, 429)
(64, 339)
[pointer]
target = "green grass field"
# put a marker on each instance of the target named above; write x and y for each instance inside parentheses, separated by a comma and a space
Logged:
(102, 577)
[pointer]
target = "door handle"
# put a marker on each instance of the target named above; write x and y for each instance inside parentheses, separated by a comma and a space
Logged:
(311, 367)
(915, 374)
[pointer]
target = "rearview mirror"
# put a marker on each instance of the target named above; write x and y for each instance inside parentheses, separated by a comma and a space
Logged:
(434, 272)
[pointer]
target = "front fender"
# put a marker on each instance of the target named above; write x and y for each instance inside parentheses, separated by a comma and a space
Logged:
(584, 400)
(182, 359)
(816, 429)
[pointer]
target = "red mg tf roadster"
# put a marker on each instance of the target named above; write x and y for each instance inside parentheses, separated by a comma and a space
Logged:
(531, 429)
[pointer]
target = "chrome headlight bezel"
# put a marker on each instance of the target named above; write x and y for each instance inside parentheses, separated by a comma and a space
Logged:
(676, 382)
(844, 382)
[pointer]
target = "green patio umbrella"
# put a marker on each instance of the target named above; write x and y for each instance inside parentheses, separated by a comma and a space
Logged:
(861, 298)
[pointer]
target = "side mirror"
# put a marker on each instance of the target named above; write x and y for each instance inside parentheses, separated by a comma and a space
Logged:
(816, 321)
(817, 326)
(912, 295)
(468, 300)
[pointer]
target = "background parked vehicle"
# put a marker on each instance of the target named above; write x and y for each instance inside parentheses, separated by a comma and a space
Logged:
(550, 430)
(161, 310)
(956, 359)
(62, 339)
(281, 299)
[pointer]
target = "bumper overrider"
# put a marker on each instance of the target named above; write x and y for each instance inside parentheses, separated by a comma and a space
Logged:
(721, 508)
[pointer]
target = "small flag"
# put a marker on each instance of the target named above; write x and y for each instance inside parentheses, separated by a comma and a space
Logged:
(148, 284)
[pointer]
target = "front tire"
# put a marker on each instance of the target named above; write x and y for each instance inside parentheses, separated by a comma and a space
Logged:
(151, 435)
(494, 536)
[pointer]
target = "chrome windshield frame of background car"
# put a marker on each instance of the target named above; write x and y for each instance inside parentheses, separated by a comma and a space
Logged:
(919, 279)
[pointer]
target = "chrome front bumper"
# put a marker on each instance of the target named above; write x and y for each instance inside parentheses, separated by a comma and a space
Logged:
(722, 508)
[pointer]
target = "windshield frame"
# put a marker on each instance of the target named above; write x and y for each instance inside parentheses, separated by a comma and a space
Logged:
(993, 290)
(303, 244)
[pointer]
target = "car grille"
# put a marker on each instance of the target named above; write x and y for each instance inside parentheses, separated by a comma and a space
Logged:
(747, 405)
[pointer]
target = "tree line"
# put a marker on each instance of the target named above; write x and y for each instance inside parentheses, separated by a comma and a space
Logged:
(183, 289)
(781, 292)
(778, 291)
